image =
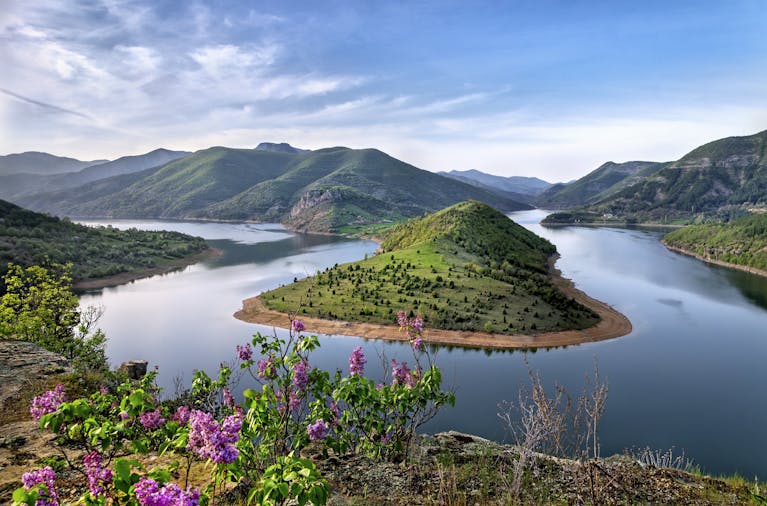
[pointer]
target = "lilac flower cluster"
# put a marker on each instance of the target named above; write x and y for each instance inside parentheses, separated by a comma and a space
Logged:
(228, 398)
(150, 493)
(212, 441)
(47, 402)
(245, 353)
(266, 368)
(151, 420)
(301, 375)
(402, 375)
(357, 362)
(297, 326)
(98, 477)
(181, 415)
(413, 328)
(45, 476)
(318, 430)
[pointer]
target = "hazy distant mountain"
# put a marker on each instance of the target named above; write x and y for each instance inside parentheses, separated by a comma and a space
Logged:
(321, 190)
(34, 162)
(282, 147)
(597, 185)
(531, 186)
(718, 180)
(14, 186)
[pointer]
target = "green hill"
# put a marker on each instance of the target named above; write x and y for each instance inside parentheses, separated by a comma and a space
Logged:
(741, 242)
(718, 181)
(467, 267)
(29, 238)
(597, 185)
(323, 190)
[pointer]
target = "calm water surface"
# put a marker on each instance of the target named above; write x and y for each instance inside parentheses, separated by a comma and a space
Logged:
(690, 376)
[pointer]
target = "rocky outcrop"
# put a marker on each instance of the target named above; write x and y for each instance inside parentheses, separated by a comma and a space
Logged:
(23, 364)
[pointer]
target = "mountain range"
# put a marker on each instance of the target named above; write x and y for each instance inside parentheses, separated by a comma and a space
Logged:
(721, 180)
(18, 184)
(523, 189)
(35, 162)
(322, 190)
(608, 179)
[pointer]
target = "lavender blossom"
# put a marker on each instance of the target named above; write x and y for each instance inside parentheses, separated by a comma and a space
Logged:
(151, 419)
(244, 353)
(318, 430)
(266, 368)
(297, 326)
(43, 478)
(47, 402)
(149, 493)
(301, 375)
(181, 415)
(357, 362)
(98, 477)
(228, 398)
(211, 441)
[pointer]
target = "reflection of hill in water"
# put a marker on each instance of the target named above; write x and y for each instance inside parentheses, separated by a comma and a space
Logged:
(236, 253)
(753, 287)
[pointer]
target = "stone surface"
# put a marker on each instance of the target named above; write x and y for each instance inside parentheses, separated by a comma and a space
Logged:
(22, 364)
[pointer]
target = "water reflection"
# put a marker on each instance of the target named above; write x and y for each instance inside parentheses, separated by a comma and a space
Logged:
(691, 375)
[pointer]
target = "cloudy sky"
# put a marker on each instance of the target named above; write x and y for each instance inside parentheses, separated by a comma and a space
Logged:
(519, 87)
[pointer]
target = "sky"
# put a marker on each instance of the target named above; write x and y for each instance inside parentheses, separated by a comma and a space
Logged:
(542, 88)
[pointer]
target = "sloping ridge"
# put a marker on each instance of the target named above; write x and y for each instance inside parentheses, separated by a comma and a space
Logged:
(320, 190)
(607, 179)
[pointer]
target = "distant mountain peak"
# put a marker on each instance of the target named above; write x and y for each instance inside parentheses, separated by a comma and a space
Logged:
(282, 147)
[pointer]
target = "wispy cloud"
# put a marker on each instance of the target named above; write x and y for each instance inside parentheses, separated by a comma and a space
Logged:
(43, 105)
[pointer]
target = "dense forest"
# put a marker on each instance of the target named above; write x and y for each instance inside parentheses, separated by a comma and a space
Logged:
(28, 238)
(741, 242)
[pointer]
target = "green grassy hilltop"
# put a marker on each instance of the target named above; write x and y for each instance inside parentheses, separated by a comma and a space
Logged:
(467, 267)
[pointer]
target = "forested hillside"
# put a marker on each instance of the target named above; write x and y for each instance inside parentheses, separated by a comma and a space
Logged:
(741, 242)
(29, 238)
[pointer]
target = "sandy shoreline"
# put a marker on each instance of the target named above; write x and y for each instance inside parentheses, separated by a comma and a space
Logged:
(613, 324)
(744, 268)
(127, 277)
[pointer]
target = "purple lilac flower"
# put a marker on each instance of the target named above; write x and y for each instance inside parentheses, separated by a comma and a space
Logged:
(45, 476)
(181, 415)
(297, 326)
(336, 412)
(265, 368)
(47, 402)
(151, 419)
(149, 493)
(103, 390)
(244, 353)
(401, 319)
(417, 344)
(301, 375)
(318, 430)
(294, 400)
(228, 398)
(401, 374)
(357, 362)
(417, 324)
(98, 477)
(211, 441)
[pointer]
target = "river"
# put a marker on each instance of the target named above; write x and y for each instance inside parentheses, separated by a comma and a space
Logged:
(690, 376)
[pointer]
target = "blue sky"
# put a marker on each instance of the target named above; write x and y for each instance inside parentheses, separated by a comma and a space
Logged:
(535, 88)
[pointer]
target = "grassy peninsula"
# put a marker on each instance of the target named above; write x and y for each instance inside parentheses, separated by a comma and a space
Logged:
(30, 238)
(741, 243)
(467, 267)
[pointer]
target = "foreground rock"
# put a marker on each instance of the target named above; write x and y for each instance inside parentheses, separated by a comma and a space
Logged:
(455, 468)
(25, 370)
